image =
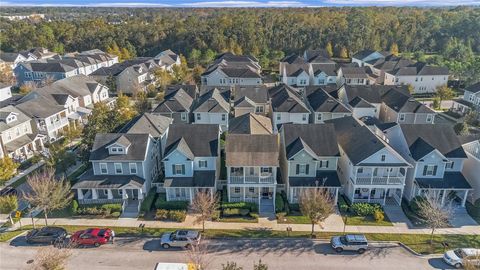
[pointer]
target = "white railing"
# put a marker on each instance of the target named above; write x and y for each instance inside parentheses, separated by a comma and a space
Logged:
(178, 198)
(472, 149)
(375, 180)
(252, 179)
(99, 201)
(247, 199)
(380, 201)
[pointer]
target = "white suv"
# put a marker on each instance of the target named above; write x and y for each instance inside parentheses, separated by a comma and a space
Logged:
(459, 256)
(180, 238)
(354, 242)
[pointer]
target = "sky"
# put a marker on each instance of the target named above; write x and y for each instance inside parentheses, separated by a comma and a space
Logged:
(238, 3)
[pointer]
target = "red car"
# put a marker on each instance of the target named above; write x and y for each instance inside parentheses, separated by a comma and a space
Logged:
(92, 236)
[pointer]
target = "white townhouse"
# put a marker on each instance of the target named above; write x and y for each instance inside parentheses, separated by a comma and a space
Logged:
(471, 146)
(191, 160)
(438, 158)
(5, 91)
(252, 163)
(469, 101)
(250, 99)
(231, 70)
(308, 159)
(324, 106)
(369, 169)
(287, 106)
(212, 108)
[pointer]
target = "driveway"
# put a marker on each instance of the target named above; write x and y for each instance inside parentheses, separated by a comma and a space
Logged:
(278, 254)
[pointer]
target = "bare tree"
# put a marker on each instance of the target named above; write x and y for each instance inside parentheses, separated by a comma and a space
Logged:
(198, 255)
(433, 212)
(231, 266)
(204, 204)
(51, 258)
(48, 193)
(471, 263)
(260, 266)
(316, 204)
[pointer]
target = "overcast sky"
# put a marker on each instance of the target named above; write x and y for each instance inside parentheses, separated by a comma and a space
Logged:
(241, 3)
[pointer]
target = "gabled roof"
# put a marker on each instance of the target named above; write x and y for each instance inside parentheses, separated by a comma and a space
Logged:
(38, 107)
(237, 66)
(285, 99)
(294, 70)
(181, 145)
(251, 150)
(137, 143)
(201, 139)
(250, 124)
(402, 103)
(199, 179)
(329, 69)
(474, 88)
(76, 86)
(244, 102)
(354, 72)
(118, 68)
(5, 112)
(177, 101)
(255, 93)
(153, 124)
(319, 139)
(362, 54)
(421, 138)
(190, 89)
(358, 102)
(293, 59)
(212, 102)
(321, 101)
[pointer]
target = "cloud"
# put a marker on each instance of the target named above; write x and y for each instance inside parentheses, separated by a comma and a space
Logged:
(401, 3)
(232, 3)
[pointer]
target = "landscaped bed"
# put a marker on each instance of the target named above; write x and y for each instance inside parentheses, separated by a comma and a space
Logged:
(287, 213)
(110, 210)
(362, 214)
(239, 212)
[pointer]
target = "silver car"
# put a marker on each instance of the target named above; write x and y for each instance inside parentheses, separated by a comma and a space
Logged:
(354, 242)
(180, 238)
(458, 257)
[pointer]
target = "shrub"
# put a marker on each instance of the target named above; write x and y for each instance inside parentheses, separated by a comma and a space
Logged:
(115, 214)
(254, 215)
(378, 215)
(281, 215)
(241, 205)
(177, 215)
(279, 203)
(224, 195)
(294, 207)
(148, 201)
(342, 204)
(414, 204)
(74, 207)
(161, 214)
(173, 205)
(232, 211)
(365, 209)
(473, 209)
(216, 215)
(244, 212)
(113, 207)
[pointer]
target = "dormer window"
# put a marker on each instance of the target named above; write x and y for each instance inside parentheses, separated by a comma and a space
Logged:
(383, 157)
(11, 118)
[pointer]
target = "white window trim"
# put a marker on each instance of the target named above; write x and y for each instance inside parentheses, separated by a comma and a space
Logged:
(115, 168)
(131, 166)
(106, 168)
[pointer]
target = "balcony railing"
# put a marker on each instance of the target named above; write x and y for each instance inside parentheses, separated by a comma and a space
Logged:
(247, 199)
(380, 201)
(99, 201)
(375, 180)
(251, 179)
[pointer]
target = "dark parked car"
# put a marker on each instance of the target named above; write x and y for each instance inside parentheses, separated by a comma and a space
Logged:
(46, 235)
(8, 191)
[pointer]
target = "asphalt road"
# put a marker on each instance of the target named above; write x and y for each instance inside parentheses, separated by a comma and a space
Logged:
(301, 254)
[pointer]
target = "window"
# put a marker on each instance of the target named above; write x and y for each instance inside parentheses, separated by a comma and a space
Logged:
(279, 117)
(321, 81)
(224, 117)
(251, 189)
(429, 118)
(133, 168)
(118, 168)
(114, 149)
(103, 168)
(183, 116)
(266, 170)
(178, 169)
(202, 164)
(259, 109)
(237, 190)
(319, 117)
(199, 117)
(324, 163)
(402, 117)
(304, 117)
(430, 170)
(449, 165)
(360, 170)
(383, 157)
(302, 169)
(105, 192)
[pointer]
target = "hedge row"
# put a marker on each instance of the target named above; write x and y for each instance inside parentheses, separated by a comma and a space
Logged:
(172, 205)
(106, 210)
(173, 215)
(252, 207)
(147, 202)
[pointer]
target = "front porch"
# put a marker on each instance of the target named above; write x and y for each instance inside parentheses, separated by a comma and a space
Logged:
(458, 197)
(251, 194)
(294, 193)
(24, 147)
(185, 193)
(380, 195)
(453, 187)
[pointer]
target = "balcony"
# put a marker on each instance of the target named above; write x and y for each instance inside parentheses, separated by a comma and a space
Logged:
(376, 180)
(255, 179)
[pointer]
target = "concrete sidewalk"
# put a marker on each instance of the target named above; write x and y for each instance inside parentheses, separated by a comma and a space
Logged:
(334, 223)
(23, 173)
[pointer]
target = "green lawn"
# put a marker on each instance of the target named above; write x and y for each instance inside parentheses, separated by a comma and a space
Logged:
(19, 182)
(73, 177)
(366, 221)
(238, 219)
(5, 236)
(294, 219)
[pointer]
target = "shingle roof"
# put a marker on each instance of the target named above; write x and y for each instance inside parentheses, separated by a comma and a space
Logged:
(320, 139)
(403, 103)
(199, 179)
(322, 178)
(213, 102)
(177, 101)
(362, 54)
(117, 68)
(285, 99)
(190, 89)
(5, 111)
(155, 125)
(39, 107)
(423, 138)
(250, 124)
(257, 94)
(201, 139)
(358, 102)
(450, 180)
(321, 101)
(474, 88)
(136, 151)
(89, 180)
(354, 72)
(251, 150)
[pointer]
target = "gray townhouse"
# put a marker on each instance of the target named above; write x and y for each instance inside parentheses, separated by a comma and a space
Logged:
(213, 107)
(323, 105)
(287, 106)
(250, 99)
(177, 105)
(123, 167)
(469, 101)
(471, 146)
(191, 160)
(308, 159)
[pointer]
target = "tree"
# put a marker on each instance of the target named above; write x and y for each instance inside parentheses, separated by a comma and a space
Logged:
(101, 120)
(435, 213)
(472, 262)
(72, 133)
(316, 204)
(8, 168)
(343, 53)
(394, 49)
(260, 266)
(197, 74)
(208, 56)
(204, 204)
(461, 128)
(51, 258)
(329, 48)
(26, 88)
(472, 118)
(198, 256)
(231, 266)
(48, 193)
(111, 83)
(141, 103)
(436, 103)
(411, 89)
(194, 57)
(8, 204)
(124, 111)
(444, 93)
(162, 78)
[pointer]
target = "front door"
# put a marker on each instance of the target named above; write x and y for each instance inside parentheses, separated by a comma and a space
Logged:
(265, 192)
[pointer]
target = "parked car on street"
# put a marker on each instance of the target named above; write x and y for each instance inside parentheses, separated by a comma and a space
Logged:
(180, 238)
(353, 242)
(46, 235)
(8, 191)
(458, 257)
(91, 237)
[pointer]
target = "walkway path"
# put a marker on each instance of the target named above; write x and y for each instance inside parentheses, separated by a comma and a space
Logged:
(333, 224)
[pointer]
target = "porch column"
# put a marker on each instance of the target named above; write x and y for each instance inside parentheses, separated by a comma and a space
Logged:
(109, 194)
(80, 194)
(124, 194)
(244, 168)
(190, 193)
(258, 197)
(385, 190)
(140, 194)
(336, 196)
(443, 196)
(244, 193)
(369, 193)
(464, 200)
(94, 194)
(274, 194)
(167, 194)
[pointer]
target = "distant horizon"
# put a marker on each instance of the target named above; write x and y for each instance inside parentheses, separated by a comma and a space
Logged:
(242, 3)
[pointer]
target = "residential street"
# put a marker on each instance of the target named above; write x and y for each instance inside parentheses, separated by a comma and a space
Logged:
(134, 253)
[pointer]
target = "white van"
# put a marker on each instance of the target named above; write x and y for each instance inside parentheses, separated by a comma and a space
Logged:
(175, 266)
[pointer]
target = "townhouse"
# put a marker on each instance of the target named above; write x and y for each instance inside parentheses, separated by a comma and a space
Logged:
(230, 70)
(5, 91)
(168, 59)
(308, 159)
(250, 124)
(85, 89)
(123, 168)
(369, 169)
(437, 157)
(191, 163)
(471, 146)
(352, 75)
(469, 101)
(18, 140)
(252, 161)
(287, 106)
(177, 104)
(324, 106)
(250, 99)
(213, 108)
